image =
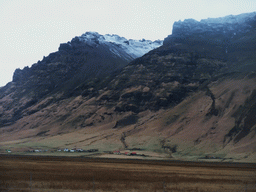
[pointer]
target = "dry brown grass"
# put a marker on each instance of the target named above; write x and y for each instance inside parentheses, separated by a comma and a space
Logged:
(79, 174)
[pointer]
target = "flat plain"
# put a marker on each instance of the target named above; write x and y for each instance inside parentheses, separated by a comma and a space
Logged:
(65, 174)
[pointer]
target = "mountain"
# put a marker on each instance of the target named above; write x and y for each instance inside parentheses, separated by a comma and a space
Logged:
(86, 57)
(230, 38)
(194, 96)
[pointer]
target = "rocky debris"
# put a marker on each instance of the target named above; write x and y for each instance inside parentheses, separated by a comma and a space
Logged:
(212, 110)
(122, 139)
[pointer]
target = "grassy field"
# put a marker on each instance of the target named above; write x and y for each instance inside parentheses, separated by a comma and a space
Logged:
(39, 173)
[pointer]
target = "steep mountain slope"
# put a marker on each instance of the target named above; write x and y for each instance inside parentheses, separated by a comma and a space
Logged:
(230, 38)
(84, 58)
(193, 96)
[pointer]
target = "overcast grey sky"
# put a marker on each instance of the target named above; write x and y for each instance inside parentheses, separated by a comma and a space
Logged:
(31, 29)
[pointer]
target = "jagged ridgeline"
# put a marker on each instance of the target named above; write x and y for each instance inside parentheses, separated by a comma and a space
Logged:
(194, 92)
(86, 57)
(71, 70)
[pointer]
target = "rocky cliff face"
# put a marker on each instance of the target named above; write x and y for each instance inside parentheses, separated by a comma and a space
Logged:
(230, 39)
(77, 62)
(185, 93)
(229, 25)
(91, 54)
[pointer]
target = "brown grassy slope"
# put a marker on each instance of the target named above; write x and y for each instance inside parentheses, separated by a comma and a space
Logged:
(197, 125)
(195, 130)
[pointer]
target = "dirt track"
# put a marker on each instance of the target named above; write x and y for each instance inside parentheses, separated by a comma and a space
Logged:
(39, 173)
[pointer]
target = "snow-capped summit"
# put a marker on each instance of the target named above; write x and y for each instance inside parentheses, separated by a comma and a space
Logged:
(231, 18)
(228, 24)
(117, 44)
(90, 36)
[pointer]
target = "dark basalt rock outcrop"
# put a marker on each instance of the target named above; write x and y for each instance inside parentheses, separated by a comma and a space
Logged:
(245, 120)
(219, 38)
(227, 26)
(65, 47)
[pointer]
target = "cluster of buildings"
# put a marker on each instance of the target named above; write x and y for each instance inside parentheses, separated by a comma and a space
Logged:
(126, 153)
(38, 150)
(77, 150)
(73, 150)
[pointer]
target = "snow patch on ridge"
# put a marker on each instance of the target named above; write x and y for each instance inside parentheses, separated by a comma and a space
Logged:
(223, 25)
(231, 19)
(134, 48)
